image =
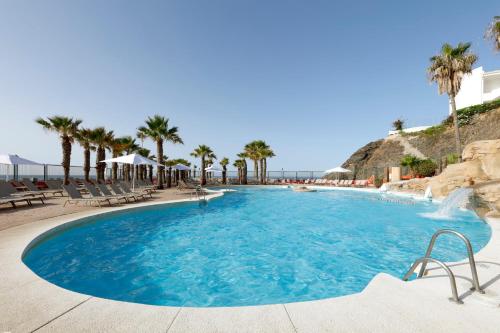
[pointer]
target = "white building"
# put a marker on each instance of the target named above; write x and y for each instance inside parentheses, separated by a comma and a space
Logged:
(478, 87)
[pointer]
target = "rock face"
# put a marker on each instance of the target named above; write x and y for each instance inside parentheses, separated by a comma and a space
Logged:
(481, 164)
(372, 158)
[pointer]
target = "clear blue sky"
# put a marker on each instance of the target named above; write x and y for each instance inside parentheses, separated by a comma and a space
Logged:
(315, 79)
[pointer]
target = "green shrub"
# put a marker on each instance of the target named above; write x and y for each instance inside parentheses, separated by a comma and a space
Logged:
(398, 124)
(426, 168)
(465, 115)
(378, 181)
(451, 158)
(434, 130)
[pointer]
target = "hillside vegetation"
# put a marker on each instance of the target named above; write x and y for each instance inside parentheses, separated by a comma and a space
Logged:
(479, 122)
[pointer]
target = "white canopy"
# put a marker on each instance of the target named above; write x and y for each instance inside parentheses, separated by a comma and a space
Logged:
(11, 159)
(134, 159)
(337, 170)
(181, 167)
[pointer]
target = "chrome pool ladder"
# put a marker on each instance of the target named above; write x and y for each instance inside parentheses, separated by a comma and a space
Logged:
(427, 258)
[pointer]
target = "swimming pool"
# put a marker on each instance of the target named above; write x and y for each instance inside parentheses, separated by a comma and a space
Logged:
(254, 246)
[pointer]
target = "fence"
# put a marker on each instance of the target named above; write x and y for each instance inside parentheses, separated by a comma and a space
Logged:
(49, 171)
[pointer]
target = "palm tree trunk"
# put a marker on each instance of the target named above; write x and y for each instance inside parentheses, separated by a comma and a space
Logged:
(150, 167)
(261, 180)
(264, 171)
(86, 164)
(455, 125)
(100, 166)
(203, 172)
(66, 148)
(256, 170)
(169, 177)
(159, 153)
(244, 178)
(224, 170)
(115, 171)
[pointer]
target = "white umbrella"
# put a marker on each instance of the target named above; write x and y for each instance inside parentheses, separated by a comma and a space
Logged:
(212, 168)
(11, 159)
(181, 167)
(338, 170)
(134, 159)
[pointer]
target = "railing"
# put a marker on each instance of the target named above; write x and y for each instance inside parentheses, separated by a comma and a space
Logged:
(424, 260)
(448, 271)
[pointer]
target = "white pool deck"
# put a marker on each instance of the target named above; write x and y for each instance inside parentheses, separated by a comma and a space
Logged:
(29, 303)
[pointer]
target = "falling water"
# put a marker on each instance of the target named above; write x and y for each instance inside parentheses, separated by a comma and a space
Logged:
(428, 193)
(459, 198)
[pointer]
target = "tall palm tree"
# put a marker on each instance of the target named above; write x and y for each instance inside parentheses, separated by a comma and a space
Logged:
(203, 152)
(66, 128)
(102, 139)
(244, 168)
(252, 152)
(84, 138)
(157, 129)
(447, 70)
(493, 32)
(224, 162)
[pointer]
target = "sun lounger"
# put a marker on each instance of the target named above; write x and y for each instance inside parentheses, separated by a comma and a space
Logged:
(119, 191)
(125, 188)
(7, 198)
(94, 193)
(75, 197)
(8, 191)
(105, 191)
(32, 188)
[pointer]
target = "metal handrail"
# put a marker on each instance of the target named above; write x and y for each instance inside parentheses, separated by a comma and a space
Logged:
(451, 276)
(470, 254)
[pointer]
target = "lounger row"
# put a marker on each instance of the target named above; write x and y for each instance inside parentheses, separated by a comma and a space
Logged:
(100, 193)
(10, 195)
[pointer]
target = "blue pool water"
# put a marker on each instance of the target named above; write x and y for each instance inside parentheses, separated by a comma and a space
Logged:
(255, 246)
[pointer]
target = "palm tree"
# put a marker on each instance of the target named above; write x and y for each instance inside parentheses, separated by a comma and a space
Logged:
(244, 168)
(224, 162)
(83, 136)
(447, 70)
(204, 153)
(129, 147)
(266, 153)
(102, 139)
(252, 152)
(142, 168)
(239, 164)
(117, 148)
(66, 128)
(157, 130)
(493, 32)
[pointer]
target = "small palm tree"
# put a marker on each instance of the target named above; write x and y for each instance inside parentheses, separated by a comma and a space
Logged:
(66, 128)
(224, 162)
(157, 129)
(84, 138)
(398, 124)
(252, 152)
(493, 32)
(411, 162)
(239, 164)
(244, 169)
(204, 153)
(102, 139)
(142, 168)
(117, 148)
(129, 147)
(447, 70)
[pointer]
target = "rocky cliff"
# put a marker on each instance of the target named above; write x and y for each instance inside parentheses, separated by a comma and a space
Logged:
(435, 143)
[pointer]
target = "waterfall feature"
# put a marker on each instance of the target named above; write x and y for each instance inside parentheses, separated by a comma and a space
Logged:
(459, 198)
(428, 193)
